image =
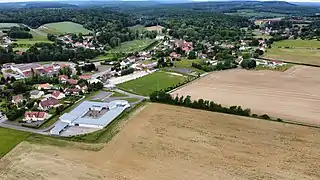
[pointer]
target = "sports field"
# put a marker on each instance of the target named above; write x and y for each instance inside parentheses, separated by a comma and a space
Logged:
(9, 139)
(290, 95)
(299, 51)
(153, 82)
(63, 28)
(165, 142)
(132, 46)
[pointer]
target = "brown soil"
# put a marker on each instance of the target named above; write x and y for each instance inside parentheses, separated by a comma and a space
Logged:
(155, 28)
(168, 142)
(291, 95)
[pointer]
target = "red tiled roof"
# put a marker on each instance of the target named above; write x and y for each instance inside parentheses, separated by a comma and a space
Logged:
(49, 102)
(85, 77)
(19, 52)
(34, 114)
(63, 77)
(72, 90)
(72, 81)
(47, 85)
(56, 93)
(17, 98)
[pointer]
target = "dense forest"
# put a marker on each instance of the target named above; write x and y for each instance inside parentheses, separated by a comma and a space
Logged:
(46, 52)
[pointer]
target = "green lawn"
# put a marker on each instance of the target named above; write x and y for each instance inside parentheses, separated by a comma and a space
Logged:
(258, 34)
(132, 46)
(138, 28)
(131, 100)
(8, 25)
(186, 63)
(253, 13)
(307, 56)
(9, 138)
(117, 94)
(297, 44)
(63, 28)
(298, 51)
(153, 82)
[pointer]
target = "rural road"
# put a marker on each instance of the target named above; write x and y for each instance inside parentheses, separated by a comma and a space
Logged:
(20, 128)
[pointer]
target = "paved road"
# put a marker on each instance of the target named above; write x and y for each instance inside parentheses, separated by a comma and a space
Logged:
(21, 128)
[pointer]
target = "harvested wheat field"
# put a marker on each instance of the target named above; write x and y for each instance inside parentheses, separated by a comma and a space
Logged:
(167, 142)
(291, 95)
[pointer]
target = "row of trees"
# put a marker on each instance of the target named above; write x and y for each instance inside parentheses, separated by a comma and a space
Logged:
(163, 97)
(222, 65)
(19, 32)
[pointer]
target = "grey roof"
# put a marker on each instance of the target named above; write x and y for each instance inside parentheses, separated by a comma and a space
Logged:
(58, 128)
(34, 92)
(28, 66)
(76, 116)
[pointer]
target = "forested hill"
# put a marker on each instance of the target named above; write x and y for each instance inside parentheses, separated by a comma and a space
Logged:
(91, 18)
(280, 7)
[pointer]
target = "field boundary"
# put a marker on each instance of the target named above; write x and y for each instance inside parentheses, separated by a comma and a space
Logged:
(286, 61)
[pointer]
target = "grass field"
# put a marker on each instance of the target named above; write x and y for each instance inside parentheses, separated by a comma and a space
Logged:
(139, 28)
(258, 34)
(299, 51)
(8, 25)
(9, 139)
(186, 63)
(312, 44)
(153, 82)
(255, 14)
(132, 46)
(169, 142)
(63, 28)
(291, 95)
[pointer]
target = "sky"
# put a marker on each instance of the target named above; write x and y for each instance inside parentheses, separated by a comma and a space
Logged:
(160, 0)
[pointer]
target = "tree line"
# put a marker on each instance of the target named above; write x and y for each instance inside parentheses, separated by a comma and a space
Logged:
(166, 98)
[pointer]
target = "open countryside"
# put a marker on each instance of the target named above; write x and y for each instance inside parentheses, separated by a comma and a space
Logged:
(290, 95)
(63, 27)
(154, 143)
(144, 91)
(297, 51)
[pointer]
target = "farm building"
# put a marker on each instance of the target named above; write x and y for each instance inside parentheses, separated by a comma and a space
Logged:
(91, 114)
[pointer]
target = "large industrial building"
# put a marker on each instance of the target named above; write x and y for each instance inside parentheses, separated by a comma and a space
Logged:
(91, 114)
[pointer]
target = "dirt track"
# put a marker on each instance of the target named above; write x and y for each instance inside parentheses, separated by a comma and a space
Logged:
(292, 95)
(168, 142)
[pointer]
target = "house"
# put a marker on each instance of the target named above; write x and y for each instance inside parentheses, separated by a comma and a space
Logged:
(174, 55)
(184, 45)
(17, 99)
(45, 86)
(72, 81)
(49, 103)
(35, 116)
(35, 94)
(73, 91)
(203, 56)
(85, 77)
(63, 78)
(58, 95)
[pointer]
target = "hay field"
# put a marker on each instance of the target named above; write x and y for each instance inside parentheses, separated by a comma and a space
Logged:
(63, 28)
(168, 142)
(298, 51)
(290, 95)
